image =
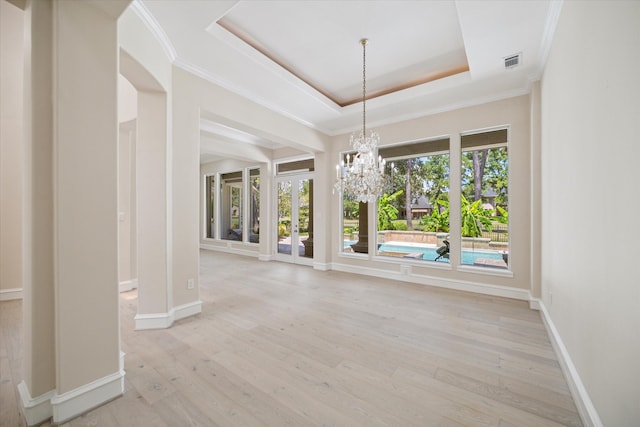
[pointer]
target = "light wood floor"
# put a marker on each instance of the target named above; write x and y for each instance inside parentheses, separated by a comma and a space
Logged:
(284, 345)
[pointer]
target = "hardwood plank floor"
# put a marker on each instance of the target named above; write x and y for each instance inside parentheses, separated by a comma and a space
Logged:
(285, 345)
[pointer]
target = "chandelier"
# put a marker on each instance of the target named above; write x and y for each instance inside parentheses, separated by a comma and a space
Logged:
(362, 175)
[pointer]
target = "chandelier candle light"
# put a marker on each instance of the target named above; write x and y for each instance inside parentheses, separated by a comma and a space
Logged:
(362, 176)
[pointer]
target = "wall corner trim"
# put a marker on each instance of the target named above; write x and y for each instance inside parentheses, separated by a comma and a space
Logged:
(585, 406)
(535, 303)
(35, 410)
(75, 402)
(10, 294)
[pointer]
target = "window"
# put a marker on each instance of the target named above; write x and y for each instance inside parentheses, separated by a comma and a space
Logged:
(350, 222)
(210, 195)
(254, 205)
(231, 201)
(413, 214)
(484, 199)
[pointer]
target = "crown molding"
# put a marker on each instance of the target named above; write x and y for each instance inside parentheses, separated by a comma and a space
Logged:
(203, 74)
(150, 22)
(553, 16)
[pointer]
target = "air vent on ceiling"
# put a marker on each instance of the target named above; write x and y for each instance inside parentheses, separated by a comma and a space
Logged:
(512, 61)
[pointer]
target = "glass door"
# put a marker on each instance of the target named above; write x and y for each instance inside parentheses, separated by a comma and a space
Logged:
(295, 219)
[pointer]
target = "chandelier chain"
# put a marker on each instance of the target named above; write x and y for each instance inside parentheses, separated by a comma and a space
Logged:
(364, 84)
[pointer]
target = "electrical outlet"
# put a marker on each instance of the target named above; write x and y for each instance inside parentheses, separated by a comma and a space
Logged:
(190, 284)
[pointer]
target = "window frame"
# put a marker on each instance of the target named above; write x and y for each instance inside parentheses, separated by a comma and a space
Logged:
(479, 269)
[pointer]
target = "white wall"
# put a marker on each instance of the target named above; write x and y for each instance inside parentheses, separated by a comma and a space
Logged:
(590, 200)
(127, 247)
(127, 220)
(11, 149)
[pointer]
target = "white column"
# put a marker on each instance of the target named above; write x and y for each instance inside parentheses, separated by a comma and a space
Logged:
(152, 210)
(38, 367)
(85, 73)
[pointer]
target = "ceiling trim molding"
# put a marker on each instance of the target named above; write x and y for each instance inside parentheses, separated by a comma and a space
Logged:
(271, 58)
(417, 114)
(150, 22)
(200, 72)
(553, 16)
(408, 85)
(279, 70)
(236, 135)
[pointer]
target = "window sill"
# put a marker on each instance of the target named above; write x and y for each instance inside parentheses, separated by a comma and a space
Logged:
(489, 271)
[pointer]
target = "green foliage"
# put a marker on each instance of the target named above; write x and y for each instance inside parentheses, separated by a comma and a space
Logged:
(351, 208)
(474, 216)
(494, 176)
(387, 212)
(282, 230)
(399, 224)
(435, 176)
(437, 221)
(429, 176)
(349, 230)
(503, 217)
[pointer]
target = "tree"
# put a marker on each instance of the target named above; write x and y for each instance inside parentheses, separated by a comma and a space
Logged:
(483, 170)
(409, 175)
(255, 204)
(496, 175)
(351, 208)
(409, 214)
(479, 162)
(435, 171)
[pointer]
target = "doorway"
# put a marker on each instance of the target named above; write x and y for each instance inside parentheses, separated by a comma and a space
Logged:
(294, 224)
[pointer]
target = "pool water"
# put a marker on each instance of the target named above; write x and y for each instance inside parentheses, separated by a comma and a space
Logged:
(430, 254)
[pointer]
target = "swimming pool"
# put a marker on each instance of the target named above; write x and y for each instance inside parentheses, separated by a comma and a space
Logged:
(430, 254)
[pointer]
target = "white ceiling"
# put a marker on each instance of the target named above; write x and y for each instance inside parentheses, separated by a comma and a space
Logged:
(304, 59)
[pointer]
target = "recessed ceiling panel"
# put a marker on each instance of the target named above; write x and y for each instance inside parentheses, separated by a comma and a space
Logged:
(410, 42)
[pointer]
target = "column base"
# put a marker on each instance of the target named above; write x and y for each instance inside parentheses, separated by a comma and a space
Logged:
(165, 320)
(37, 410)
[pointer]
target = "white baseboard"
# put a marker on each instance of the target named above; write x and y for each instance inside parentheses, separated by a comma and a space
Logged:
(263, 257)
(37, 410)
(321, 266)
(586, 409)
(535, 304)
(128, 285)
(75, 402)
(230, 249)
(10, 294)
(153, 321)
(406, 275)
(186, 310)
(165, 320)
